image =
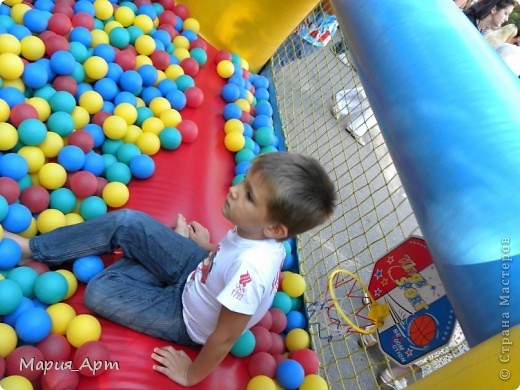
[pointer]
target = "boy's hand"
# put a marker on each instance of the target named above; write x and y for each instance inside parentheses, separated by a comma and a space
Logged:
(173, 363)
(200, 235)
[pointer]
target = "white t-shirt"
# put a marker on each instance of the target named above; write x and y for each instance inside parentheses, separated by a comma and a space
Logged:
(242, 275)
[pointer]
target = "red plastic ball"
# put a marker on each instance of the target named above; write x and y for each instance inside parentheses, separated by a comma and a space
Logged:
(169, 29)
(279, 320)
(181, 11)
(63, 8)
(167, 4)
(142, 2)
(60, 377)
(222, 55)
(55, 43)
(65, 83)
(263, 339)
(20, 112)
(261, 363)
(279, 358)
(83, 19)
(190, 66)
(9, 189)
(246, 118)
(194, 97)
(38, 266)
(83, 184)
(18, 362)
(36, 198)
(60, 23)
(266, 321)
(82, 139)
(167, 17)
(277, 344)
(308, 359)
(189, 130)
(200, 43)
(99, 117)
(125, 59)
(55, 347)
(101, 183)
(160, 59)
(2, 367)
(94, 351)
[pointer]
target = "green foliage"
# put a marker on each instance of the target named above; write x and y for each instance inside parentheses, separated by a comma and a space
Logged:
(515, 17)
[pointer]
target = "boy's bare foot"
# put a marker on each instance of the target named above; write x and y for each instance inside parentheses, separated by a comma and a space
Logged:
(24, 245)
(182, 226)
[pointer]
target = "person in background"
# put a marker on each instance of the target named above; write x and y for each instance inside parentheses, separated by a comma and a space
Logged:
(489, 14)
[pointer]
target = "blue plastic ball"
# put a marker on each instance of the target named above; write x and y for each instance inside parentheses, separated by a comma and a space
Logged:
(62, 62)
(94, 163)
(14, 166)
(262, 121)
(25, 277)
(81, 34)
(166, 86)
(295, 319)
(289, 263)
(12, 96)
(33, 325)
(63, 199)
(131, 81)
(125, 97)
(264, 108)
(107, 88)
(18, 218)
(230, 93)
(148, 74)
(10, 253)
(34, 75)
(177, 99)
(105, 51)
(262, 94)
(290, 374)
(36, 20)
(150, 93)
(92, 207)
(97, 134)
(142, 166)
(242, 167)
(85, 268)
(232, 111)
(11, 294)
(25, 303)
(72, 158)
(50, 287)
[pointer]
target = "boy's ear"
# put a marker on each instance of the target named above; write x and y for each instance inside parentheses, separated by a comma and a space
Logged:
(277, 231)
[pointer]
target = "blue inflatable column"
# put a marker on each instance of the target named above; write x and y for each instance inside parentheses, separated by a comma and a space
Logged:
(449, 110)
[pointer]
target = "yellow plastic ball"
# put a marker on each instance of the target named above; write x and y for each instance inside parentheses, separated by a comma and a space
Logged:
(10, 44)
(126, 111)
(11, 3)
(225, 69)
(234, 141)
(181, 53)
(83, 328)
(140, 102)
(261, 382)
(16, 382)
(234, 125)
(9, 133)
(152, 125)
(109, 26)
(158, 105)
(103, 9)
(314, 382)
(148, 143)
(171, 117)
(191, 24)
(244, 105)
(132, 133)
(115, 127)
(72, 282)
(293, 284)
(4, 111)
(50, 219)
(42, 107)
(52, 144)
(250, 97)
(61, 313)
(33, 48)
(32, 230)
(180, 41)
(174, 71)
(142, 59)
(15, 83)
(244, 64)
(81, 116)
(160, 77)
(115, 194)
(124, 15)
(73, 218)
(11, 66)
(1, 276)
(99, 37)
(18, 11)
(95, 67)
(9, 339)
(34, 157)
(91, 102)
(144, 22)
(145, 45)
(52, 176)
(297, 339)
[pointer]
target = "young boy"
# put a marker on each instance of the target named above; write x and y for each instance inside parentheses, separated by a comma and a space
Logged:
(177, 285)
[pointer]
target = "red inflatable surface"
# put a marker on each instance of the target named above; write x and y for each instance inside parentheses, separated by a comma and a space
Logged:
(192, 180)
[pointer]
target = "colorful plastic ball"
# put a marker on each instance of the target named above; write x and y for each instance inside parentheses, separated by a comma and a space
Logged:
(91, 101)
(85, 268)
(71, 157)
(148, 143)
(295, 319)
(266, 321)
(50, 287)
(234, 141)
(230, 93)
(8, 337)
(177, 99)
(55, 347)
(9, 190)
(232, 111)
(83, 184)
(63, 199)
(72, 282)
(263, 339)
(18, 218)
(142, 166)
(17, 363)
(61, 123)
(62, 62)
(294, 284)
(131, 81)
(10, 253)
(21, 112)
(115, 127)
(290, 262)
(60, 378)
(4, 111)
(282, 301)
(279, 320)
(35, 20)
(170, 138)
(189, 130)
(24, 304)
(261, 363)
(308, 359)
(13, 165)
(92, 207)
(225, 69)
(49, 220)
(194, 97)
(115, 194)
(17, 382)
(261, 382)
(244, 345)
(25, 277)
(82, 329)
(33, 325)
(11, 294)
(118, 172)
(314, 382)
(264, 136)
(82, 139)
(96, 353)
(61, 314)
(12, 96)
(290, 374)
(32, 131)
(9, 44)
(297, 339)
(60, 24)
(11, 66)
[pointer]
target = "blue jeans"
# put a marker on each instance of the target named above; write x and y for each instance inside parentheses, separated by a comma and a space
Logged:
(143, 290)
